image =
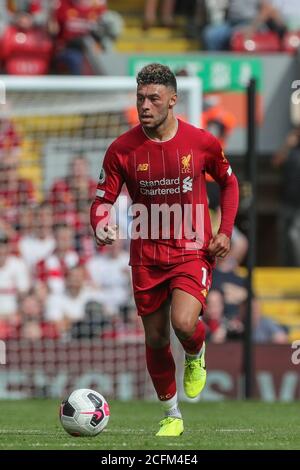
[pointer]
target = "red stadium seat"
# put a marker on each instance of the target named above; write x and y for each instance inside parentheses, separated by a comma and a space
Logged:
(291, 42)
(25, 52)
(258, 42)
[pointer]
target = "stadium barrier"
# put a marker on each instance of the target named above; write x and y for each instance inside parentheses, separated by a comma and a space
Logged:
(118, 370)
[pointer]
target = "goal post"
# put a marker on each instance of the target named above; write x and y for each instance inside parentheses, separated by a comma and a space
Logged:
(189, 85)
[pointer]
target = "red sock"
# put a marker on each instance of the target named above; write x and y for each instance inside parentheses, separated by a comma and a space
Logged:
(161, 367)
(194, 343)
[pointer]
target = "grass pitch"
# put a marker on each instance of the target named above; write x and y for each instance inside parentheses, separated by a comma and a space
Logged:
(34, 424)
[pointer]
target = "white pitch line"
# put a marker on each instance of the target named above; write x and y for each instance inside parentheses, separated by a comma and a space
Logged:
(235, 430)
(29, 432)
(173, 444)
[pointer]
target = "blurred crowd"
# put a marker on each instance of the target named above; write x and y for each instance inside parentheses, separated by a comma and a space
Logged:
(218, 25)
(265, 24)
(225, 313)
(56, 283)
(68, 36)
(61, 36)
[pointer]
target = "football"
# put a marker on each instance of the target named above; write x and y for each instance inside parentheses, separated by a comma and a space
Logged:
(84, 413)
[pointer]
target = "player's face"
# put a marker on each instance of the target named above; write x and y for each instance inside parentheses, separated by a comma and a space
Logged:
(154, 104)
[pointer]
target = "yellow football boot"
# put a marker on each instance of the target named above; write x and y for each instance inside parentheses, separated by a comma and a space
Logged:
(194, 375)
(170, 427)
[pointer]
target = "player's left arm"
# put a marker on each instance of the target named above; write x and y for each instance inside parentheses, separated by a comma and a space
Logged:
(217, 165)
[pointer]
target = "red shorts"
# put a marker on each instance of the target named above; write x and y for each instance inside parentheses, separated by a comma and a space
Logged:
(152, 285)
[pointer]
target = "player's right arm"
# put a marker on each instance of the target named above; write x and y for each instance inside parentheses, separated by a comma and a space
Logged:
(108, 189)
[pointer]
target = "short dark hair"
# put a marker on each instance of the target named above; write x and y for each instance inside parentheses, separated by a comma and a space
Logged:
(158, 74)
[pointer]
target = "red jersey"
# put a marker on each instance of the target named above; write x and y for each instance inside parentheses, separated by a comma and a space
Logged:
(169, 173)
(77, 18)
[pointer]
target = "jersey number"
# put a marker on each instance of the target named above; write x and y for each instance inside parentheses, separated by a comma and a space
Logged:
(204, 276)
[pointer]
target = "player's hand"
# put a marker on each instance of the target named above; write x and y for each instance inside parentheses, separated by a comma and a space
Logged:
(219, 245)
(106, 235)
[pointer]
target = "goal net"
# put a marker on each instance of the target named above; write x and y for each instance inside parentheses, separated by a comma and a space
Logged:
(67, 316)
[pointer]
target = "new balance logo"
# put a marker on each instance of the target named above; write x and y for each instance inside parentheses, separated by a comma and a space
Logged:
(187, 184)
(142, 167)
